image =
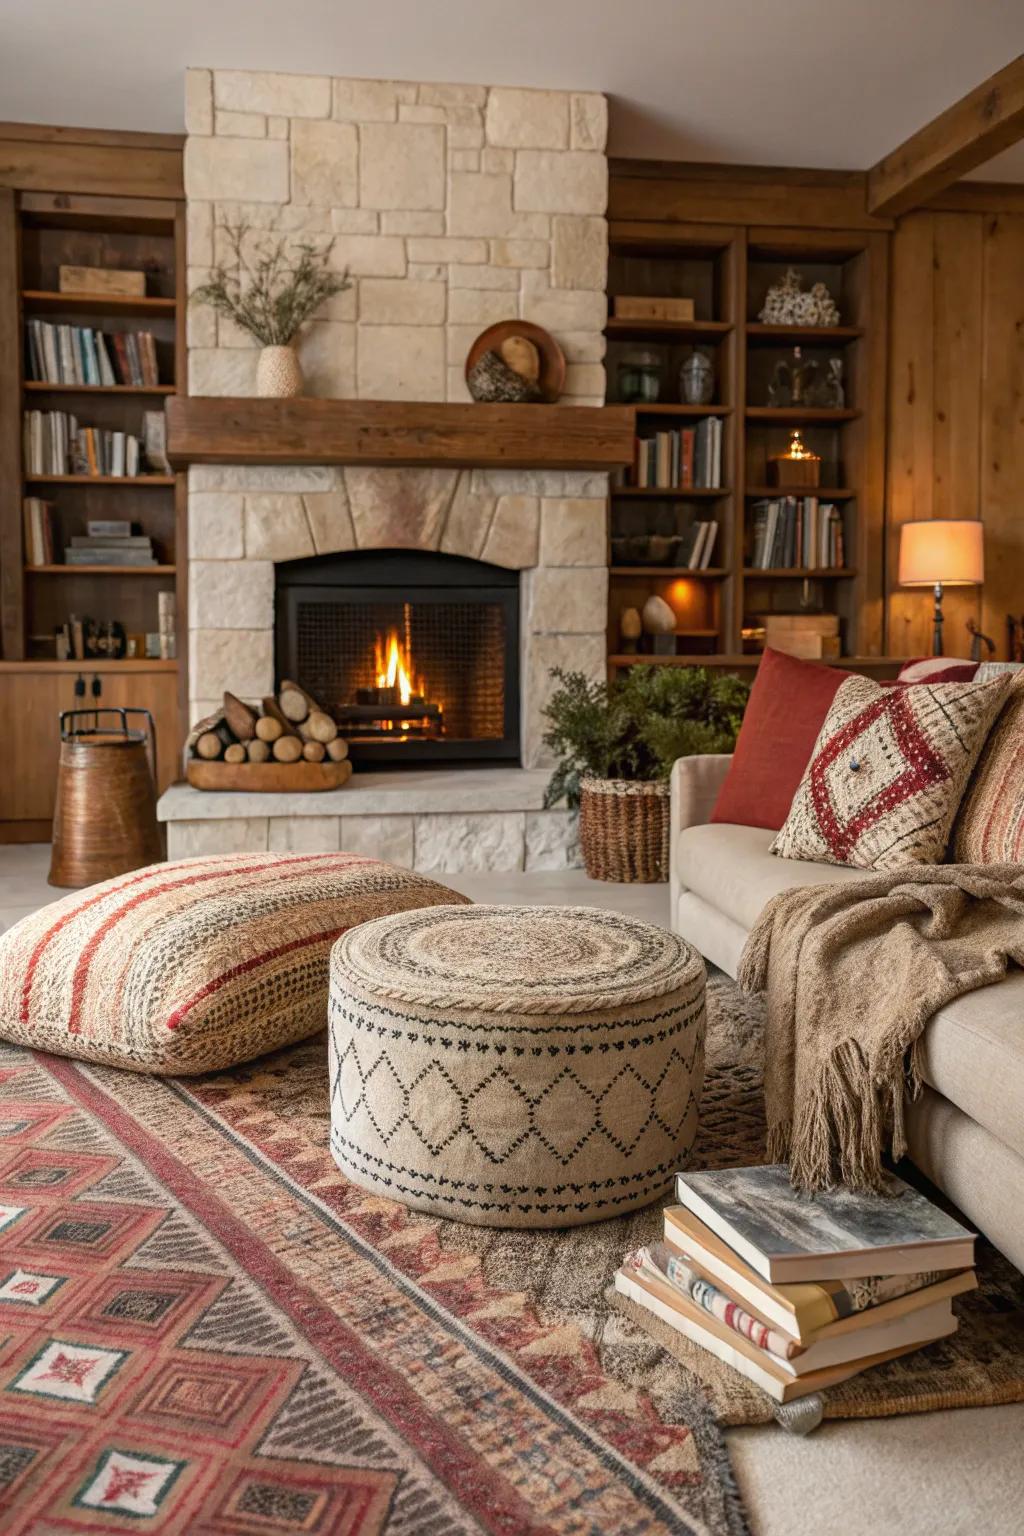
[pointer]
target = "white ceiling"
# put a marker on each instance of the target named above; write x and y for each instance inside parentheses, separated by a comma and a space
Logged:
(772, 82)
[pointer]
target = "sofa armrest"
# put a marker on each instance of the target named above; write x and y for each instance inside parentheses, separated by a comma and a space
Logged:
(694, 786)
(695, 783)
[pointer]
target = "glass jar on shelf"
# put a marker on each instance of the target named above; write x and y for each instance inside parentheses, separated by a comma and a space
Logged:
(639, 377)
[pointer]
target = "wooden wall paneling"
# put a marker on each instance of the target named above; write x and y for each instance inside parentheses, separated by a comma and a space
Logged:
(956, 375)
(1002, 423)
(11, 577)
(911, 422)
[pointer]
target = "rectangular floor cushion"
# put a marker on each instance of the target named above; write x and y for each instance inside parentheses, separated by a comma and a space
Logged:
(195, 965)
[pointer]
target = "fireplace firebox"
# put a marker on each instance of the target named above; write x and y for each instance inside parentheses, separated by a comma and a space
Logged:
(415, 654)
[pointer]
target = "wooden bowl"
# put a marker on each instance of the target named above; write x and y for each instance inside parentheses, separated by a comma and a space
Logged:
(552, 360)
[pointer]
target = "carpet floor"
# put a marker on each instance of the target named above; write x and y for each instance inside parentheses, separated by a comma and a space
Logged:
(204, 1328)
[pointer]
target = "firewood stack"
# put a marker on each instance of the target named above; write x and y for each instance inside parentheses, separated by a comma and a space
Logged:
(289, 727)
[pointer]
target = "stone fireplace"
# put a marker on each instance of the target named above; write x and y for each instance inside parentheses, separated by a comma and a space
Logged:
(450, 206)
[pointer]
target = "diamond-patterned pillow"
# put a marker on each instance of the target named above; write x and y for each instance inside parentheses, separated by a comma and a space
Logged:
(887, 773)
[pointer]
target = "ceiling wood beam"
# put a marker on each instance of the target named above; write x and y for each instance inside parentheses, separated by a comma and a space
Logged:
(981, 124)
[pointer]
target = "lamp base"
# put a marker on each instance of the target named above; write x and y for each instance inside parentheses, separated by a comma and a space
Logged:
(937, 621)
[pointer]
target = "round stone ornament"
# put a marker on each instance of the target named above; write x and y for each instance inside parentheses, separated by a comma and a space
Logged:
(515, 1066)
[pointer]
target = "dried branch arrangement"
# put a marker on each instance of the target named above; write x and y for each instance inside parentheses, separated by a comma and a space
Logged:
(274, 289)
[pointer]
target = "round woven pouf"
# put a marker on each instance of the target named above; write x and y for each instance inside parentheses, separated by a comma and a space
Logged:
(515, 1066)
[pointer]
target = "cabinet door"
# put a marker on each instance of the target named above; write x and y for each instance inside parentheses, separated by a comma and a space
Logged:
(30, 706)
(157, 692)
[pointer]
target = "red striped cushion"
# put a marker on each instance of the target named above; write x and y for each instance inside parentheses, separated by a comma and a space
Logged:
(990, 827)
(196, 965)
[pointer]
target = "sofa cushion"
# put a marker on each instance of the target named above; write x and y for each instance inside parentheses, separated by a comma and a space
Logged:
(888, 772)
(973, 1054)
(732, 868)
(194, 965)
(990, 826)
(787, 706)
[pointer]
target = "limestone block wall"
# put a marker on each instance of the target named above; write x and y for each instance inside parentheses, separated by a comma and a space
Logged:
(451, 207)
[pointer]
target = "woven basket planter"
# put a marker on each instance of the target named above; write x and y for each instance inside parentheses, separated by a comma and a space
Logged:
(624, 830)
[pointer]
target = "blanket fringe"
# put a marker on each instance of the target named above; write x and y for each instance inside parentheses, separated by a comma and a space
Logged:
(848, 1119)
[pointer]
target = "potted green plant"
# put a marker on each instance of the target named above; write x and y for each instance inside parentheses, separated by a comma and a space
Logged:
(270, 288)
(615, 744)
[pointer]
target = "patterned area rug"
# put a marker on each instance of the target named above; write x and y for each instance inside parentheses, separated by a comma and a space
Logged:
(204, 1329)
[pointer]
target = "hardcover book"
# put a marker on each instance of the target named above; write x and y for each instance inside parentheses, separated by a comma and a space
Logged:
(806, 1309)
(784, 1235)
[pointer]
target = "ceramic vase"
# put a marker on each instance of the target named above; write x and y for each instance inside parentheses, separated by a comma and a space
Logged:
(278, 373)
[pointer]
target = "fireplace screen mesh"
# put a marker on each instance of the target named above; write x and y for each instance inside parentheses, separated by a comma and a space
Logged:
(453, 654)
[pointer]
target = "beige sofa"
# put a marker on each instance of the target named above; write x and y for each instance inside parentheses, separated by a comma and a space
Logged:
(966, 1132)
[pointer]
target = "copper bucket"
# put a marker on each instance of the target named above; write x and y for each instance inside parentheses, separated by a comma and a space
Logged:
(105, 819)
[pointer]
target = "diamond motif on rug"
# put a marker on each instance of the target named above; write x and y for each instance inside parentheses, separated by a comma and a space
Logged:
(28, 1290)
(73, 1372)
(129, 1483)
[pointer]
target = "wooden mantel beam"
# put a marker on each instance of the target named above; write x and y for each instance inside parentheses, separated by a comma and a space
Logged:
(985, 121)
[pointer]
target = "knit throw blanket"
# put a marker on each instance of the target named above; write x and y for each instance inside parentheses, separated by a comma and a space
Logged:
(853, 973)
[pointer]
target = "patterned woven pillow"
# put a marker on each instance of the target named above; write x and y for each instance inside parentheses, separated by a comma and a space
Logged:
(990, 827)
(196, 965)
(887, 773)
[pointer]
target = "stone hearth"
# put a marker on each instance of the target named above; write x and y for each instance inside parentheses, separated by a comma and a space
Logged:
(435, 820)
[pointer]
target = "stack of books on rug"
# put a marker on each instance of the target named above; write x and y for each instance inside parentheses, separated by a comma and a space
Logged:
(799, 1293)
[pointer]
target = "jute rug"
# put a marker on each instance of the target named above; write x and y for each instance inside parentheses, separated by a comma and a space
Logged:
(204, 1329)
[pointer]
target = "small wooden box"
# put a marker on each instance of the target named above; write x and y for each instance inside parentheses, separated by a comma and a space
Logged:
(810, 636)
(652, 309)
(794, 474)
(109, 281)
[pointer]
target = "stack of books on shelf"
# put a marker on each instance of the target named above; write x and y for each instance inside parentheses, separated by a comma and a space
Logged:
(77, 354)
(54, 444)
(38, 519)
(688, 459)
(110, 542)
(797, 1293)
(797, 532)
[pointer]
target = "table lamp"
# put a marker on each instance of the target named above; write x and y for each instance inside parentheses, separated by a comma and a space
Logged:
(941, 552)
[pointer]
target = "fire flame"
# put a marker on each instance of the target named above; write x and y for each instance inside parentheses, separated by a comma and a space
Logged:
(394, 666)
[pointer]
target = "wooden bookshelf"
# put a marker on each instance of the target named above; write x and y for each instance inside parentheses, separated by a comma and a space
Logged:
(119, 482)
(726, 270)
(40, 232)
(100, 570)
(38, 386)
(40, 301)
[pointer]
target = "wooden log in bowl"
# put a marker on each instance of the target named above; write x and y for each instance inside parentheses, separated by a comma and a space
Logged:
(270, 778)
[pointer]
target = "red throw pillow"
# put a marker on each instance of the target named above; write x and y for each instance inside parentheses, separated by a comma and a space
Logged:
(786, 710)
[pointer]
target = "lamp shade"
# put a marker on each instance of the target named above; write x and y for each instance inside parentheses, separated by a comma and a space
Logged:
(946, 550)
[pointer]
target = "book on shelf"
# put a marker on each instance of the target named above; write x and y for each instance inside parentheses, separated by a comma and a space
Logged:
(687, 458)
(38, 521)
(796, 533)
(55, 444)
(78, 354)
(837, 1234)
(704, 535)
